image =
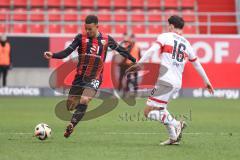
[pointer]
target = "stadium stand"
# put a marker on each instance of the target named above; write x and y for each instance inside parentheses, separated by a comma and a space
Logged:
(37, 3)
(220, 13)
(104, 4)
(19, 28)
(70, 3)
(169, 4)
(154, 4)
(36, 28)
(154, 15)
(187, 4)
(5, 16)
(3, 28)
(20, 3)
(120, 15)
(54, 28)
(120, 4)
(4, 3)
(54, 14)
(104, 15)
(70, 15)
(87, 3)
(20, 14)
(154, 29)
(37, 14)
(138, 29)
(119, 29)
(140, 16)
(70, 28)
(137, 4)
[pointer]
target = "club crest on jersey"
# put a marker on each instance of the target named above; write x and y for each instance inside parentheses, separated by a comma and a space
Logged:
(103, 42)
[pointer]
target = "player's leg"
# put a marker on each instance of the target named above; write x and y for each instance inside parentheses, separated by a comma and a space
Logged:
(80, 110)
(135, 84)
(72, 103)
(5, 72)
(157, 110)
(173, 126)
(1, 73)
(85, 89)
(162, 115)
(127, 88)
(121, 76)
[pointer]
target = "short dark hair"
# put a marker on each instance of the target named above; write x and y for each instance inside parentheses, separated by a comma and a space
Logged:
(91, 19)
(176, 21)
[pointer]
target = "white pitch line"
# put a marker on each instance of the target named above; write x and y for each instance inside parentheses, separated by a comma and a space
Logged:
(133, 133)
(157, 133)
(17, 133)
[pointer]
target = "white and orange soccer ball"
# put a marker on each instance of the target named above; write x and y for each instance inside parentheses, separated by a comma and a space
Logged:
(42, 131)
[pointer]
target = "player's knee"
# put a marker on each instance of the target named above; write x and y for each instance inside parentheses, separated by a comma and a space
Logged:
(146, 111)
(70, 105)
(85, 100)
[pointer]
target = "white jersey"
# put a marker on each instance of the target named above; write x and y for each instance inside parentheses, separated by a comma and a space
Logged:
(175, 51)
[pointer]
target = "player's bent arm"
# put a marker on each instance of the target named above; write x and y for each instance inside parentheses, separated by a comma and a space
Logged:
(121, 50)
(197, 65)
(154, 48)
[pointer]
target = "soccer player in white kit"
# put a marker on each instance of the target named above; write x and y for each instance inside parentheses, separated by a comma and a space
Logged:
(175, 50)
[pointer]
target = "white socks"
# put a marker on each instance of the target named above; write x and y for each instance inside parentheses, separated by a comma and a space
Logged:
(166, 118)
(163, 116)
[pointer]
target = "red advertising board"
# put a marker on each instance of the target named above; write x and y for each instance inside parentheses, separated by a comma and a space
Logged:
(220, 56)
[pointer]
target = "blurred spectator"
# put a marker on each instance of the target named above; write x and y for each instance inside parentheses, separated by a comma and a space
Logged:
(133, 48)
(5, 59)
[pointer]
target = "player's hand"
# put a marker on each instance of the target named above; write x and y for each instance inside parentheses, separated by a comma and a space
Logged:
(210, 89)
(134, 68)
(48, 55)
(133, 59)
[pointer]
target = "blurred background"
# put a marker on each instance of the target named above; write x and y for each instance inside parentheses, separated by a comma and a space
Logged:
(34, 26)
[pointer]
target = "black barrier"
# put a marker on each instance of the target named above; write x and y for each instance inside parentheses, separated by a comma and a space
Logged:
(28, 51)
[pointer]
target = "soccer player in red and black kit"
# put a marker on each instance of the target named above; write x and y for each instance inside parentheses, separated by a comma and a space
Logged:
(92, 50)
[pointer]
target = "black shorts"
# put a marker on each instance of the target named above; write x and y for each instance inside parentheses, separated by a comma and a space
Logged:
(79, 84)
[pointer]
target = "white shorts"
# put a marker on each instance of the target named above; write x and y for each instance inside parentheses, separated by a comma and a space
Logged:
(160, 96)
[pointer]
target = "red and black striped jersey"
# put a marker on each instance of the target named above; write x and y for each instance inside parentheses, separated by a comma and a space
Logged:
(92, 53)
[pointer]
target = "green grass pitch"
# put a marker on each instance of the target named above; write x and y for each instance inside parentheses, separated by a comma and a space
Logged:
(213, 132)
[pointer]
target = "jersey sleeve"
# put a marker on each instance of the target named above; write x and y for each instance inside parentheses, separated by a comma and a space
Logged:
(121, 50)
(161, 39)
(76, 42)
(154, 48)
(66, 52)
(191, 54)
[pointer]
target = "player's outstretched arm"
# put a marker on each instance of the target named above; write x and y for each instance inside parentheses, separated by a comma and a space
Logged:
(122, 51)
(197, 65)
(66, 52)
(59, 55)
(136, 67)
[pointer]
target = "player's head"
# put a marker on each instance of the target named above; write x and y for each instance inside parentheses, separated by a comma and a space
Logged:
(3, 38)
(176, 23)
(128, 37)
(91, 25)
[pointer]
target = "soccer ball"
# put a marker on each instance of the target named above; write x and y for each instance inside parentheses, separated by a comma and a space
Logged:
(42, 131)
